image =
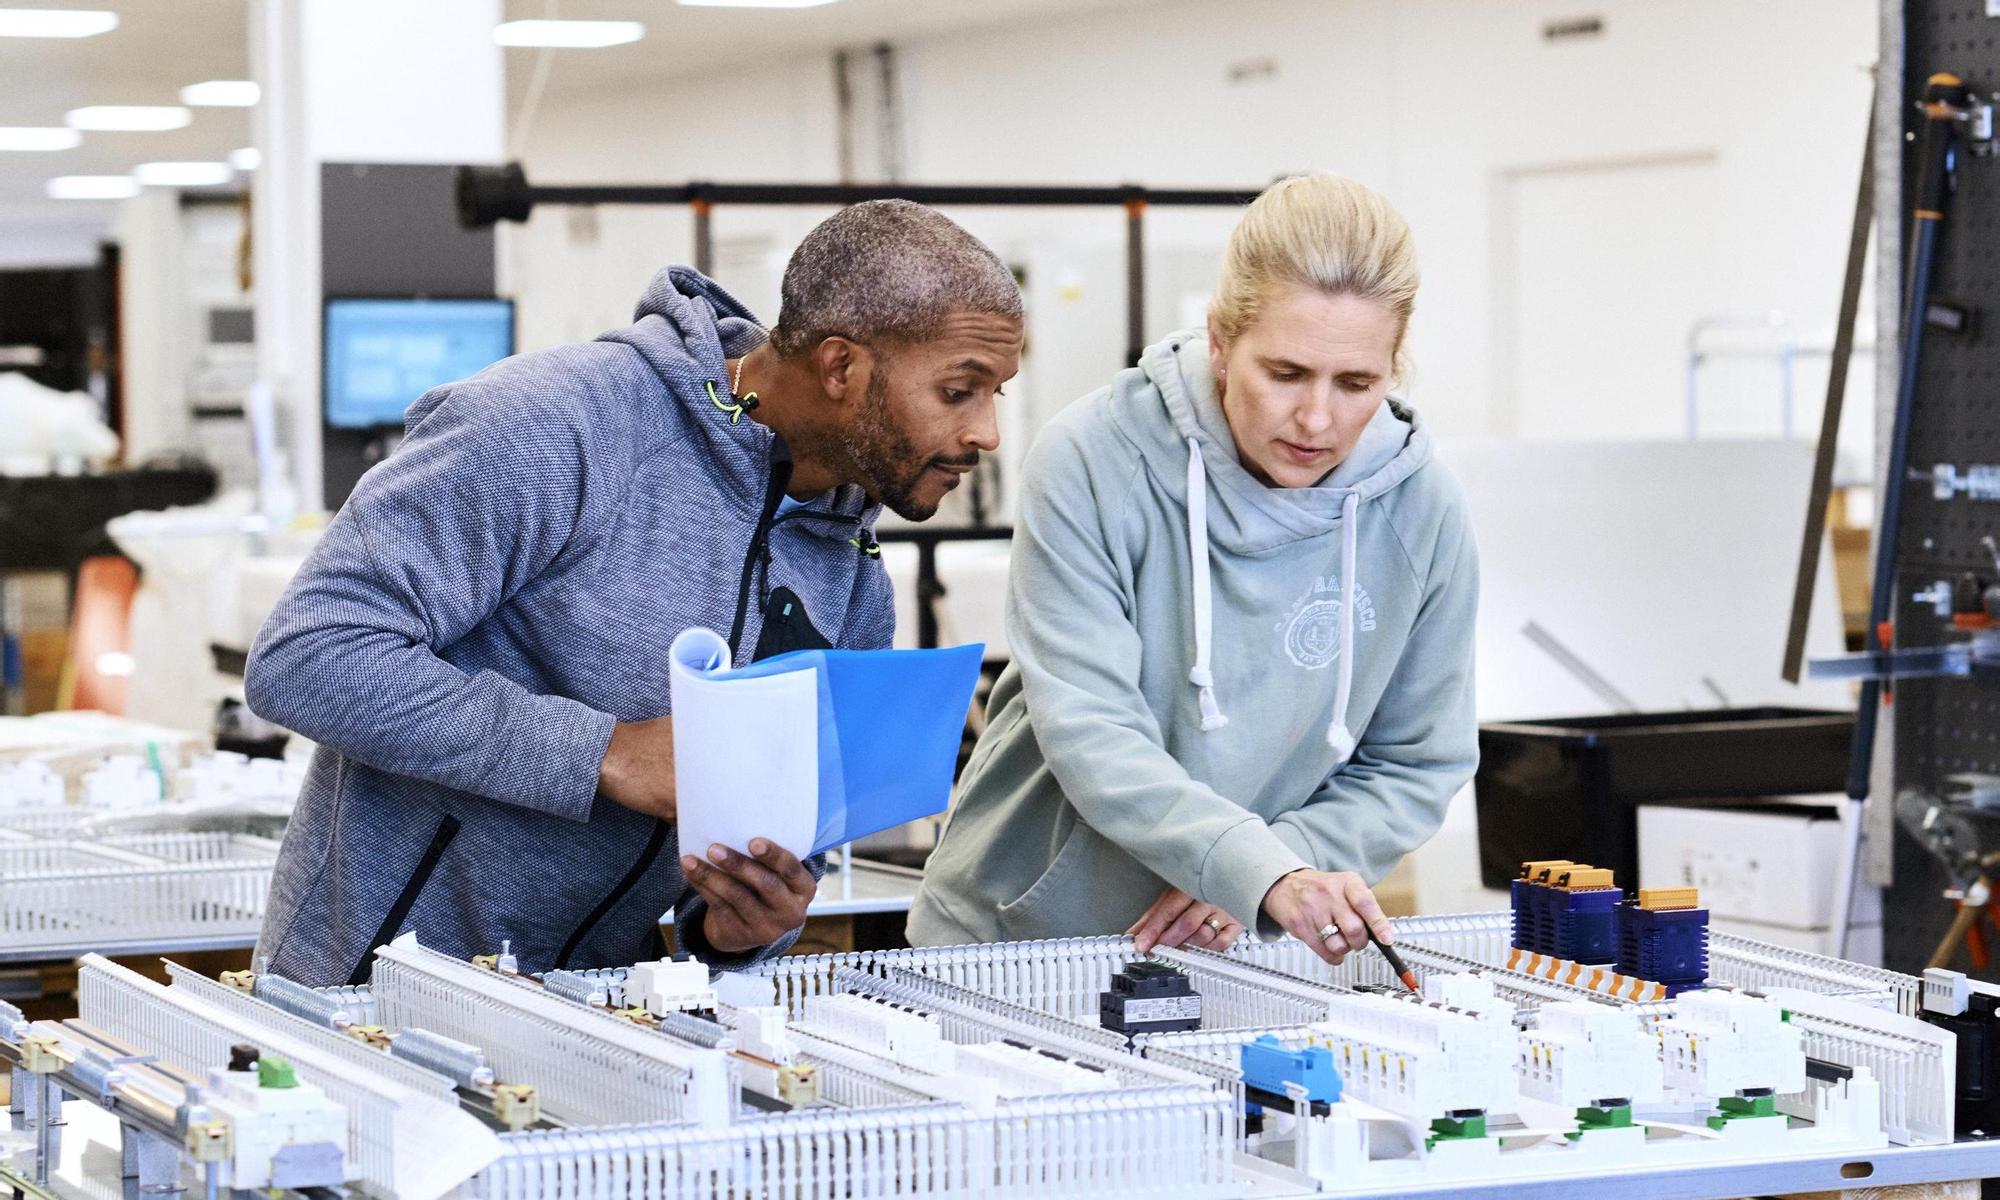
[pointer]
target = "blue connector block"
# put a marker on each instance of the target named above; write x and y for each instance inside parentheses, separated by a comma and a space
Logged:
(1668, 946)
(1585, 925)
(1525, 897)
(1268, 1066)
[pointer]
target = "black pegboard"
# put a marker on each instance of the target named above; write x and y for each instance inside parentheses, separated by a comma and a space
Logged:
(1946, 727)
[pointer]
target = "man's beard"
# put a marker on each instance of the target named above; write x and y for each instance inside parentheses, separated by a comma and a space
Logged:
(886, 458)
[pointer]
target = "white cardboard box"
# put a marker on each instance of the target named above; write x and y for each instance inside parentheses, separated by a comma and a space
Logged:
(1765, 865)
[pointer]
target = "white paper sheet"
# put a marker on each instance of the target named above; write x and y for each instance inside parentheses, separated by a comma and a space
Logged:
(746, 751)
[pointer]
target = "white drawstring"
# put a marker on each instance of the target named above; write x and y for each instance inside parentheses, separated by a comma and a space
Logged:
(1204, 613)
(1337, 734)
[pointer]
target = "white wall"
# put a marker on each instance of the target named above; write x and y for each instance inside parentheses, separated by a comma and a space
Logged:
(1700, 158)
(36, 239)
(349, 81)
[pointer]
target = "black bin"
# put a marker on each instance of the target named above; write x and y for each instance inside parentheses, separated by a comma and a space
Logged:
(1570, 787)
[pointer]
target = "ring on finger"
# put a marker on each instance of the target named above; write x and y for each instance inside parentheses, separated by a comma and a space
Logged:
(1213, 923)
(1328, 931)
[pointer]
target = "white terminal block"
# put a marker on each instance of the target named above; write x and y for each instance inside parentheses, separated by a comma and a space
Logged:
(669, 986)
(1720, 1043)
(760, 1031)
(279, 1137)
(30, 785)
(1021, 1071)
(123, 782)
(1949, 993)
(1418, 1060)
(909, 1037)
(223, 776)
(1581, 1053)
(1473, 993)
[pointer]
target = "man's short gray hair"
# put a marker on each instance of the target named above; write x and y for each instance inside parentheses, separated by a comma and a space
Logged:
(887, 270)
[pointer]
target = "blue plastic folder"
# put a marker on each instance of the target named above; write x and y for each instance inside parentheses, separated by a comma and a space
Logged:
(890, 722)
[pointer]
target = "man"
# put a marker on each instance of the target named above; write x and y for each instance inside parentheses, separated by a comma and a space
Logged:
(479, 642)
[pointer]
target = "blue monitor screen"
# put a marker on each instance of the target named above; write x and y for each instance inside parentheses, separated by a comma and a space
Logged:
(383, 354)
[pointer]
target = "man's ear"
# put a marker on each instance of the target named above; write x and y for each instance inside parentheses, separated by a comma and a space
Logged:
(842, 368)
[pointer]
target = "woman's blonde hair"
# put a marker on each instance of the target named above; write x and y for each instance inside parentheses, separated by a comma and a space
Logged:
(1321, 231)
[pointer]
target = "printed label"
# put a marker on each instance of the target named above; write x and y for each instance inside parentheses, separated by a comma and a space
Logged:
(1164, 1008)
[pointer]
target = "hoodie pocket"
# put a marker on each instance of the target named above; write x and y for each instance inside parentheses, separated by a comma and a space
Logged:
(1051, 881)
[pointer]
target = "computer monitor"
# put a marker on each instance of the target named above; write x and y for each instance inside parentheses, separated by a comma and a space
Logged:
(381, 354)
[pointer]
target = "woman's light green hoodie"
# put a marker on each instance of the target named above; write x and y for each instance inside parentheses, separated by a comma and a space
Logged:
(1183, 706)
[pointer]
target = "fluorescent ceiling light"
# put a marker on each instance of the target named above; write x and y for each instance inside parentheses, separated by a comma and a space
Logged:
(580, 35)
(21, 137)
(93, 187)
(221, 93)
(249, 158)
(182, 174)
(55, 22)
(755, 3)
(129, 118)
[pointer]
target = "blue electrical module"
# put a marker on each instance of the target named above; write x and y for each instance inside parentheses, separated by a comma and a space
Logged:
(1567, 910)
(1663, 937)
(1268, 1067)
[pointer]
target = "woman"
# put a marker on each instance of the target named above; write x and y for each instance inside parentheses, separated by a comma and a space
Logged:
(1184, 745)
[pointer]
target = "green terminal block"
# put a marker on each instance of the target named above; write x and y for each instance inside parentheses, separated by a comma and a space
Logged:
(275, 1073)
(1591, 1118)
(1456, 1129)
(1737, 1108)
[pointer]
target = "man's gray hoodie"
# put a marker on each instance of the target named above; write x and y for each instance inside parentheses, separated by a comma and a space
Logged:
(1215, 682)
(492, 599)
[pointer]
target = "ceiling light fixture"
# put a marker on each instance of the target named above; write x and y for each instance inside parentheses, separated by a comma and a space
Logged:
(568, 35)
(55, 22)
(129, 118)
(183, 174)
(92, 187)
(26, 137)
(221, 93)
(249, 158)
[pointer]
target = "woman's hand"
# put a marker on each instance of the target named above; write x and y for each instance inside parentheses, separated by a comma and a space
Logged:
(1306, 903)
(1178, 919)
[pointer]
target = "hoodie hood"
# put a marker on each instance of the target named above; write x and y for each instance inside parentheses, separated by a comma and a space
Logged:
(1251, 515)
(687, 327)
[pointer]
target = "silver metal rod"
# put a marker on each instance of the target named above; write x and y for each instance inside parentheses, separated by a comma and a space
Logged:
(1570, 661)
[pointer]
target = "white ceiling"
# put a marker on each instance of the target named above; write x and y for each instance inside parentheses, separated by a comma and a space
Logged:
(162, 45)
(159, 47)
(679, 38)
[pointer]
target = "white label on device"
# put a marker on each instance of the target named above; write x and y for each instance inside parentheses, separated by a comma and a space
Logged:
(1164, 1008)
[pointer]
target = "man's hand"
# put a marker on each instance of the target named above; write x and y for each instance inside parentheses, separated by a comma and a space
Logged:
(752, 901)
(1178, 919)
(638, 770)
(1306, 902)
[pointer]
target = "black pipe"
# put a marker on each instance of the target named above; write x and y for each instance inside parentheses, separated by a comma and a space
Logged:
(1135, 280)
(1945, 100)
(704, 237)
(490, 194)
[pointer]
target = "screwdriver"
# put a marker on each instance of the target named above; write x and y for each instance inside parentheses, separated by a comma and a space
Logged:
(1396, 963)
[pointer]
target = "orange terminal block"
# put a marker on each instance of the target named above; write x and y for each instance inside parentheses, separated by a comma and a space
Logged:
(1546, 869)
(1579, 877)
(1669, 899)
